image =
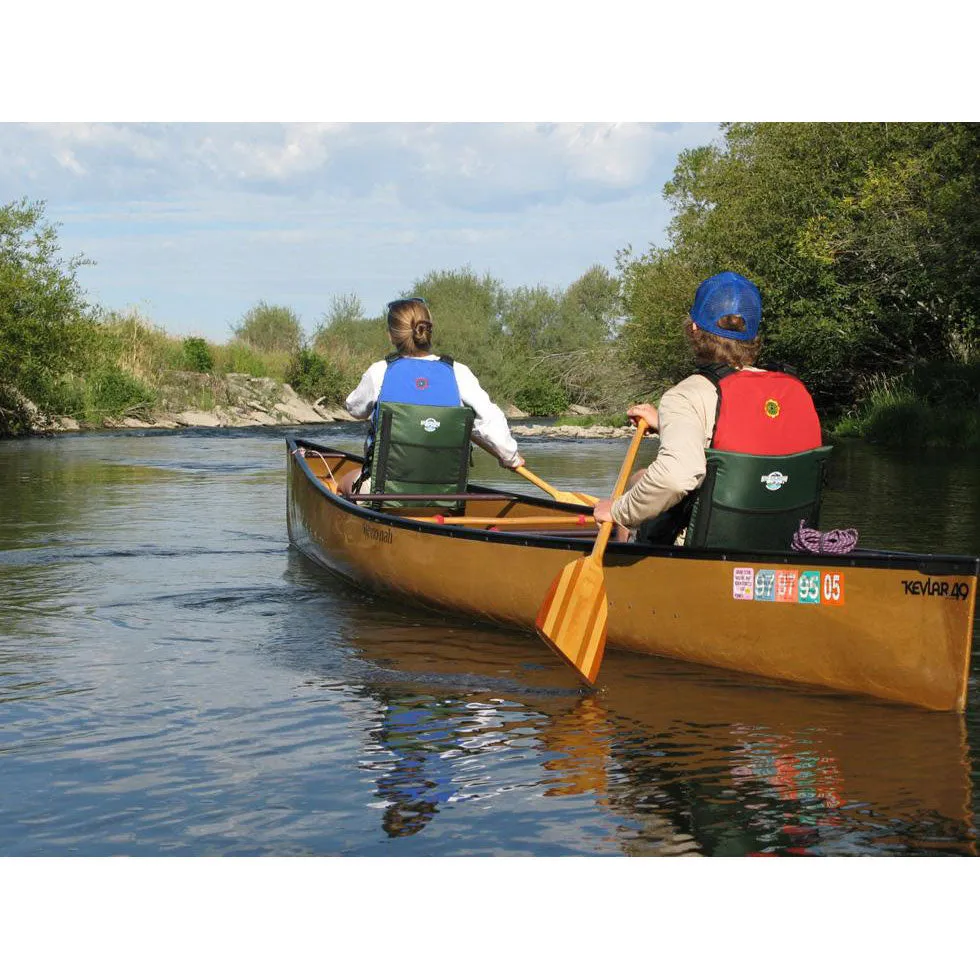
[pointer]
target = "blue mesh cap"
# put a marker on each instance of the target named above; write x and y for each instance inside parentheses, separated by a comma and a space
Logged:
(724, 294)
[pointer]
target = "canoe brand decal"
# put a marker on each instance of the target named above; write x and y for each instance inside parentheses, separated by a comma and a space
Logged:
(381, 534)
(430, 424)
(937, 587)
(774, 480)
(808, 588)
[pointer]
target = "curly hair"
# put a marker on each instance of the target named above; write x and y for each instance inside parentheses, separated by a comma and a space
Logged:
(709, 348)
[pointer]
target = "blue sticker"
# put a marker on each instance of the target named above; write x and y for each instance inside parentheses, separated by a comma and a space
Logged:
(765, 585)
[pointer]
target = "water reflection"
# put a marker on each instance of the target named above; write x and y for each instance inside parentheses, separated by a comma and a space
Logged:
(421, 733)
(682, 760)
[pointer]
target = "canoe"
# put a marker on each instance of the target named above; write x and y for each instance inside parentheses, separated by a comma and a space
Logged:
(893, 625)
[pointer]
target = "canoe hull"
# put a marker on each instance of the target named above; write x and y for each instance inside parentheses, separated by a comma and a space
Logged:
(894, 627)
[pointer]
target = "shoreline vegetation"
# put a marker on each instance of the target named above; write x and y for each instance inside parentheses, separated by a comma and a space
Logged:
(863, 237)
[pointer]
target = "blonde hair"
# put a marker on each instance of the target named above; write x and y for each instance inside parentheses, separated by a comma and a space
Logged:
(709, 348)
(410, 326)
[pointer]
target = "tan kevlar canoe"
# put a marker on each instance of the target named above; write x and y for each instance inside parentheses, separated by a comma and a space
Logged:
(892, 625)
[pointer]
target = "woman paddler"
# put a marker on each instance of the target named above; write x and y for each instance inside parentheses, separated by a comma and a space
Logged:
(424, 411)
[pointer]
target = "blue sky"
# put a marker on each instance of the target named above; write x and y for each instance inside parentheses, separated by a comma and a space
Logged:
(194, 223)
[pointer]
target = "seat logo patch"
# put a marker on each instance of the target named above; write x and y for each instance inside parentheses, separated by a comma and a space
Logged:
(772, 408)
(430, 424)
(421, 383)
(774, 480)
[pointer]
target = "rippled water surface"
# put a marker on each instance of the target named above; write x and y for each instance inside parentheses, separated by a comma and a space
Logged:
(176, 680)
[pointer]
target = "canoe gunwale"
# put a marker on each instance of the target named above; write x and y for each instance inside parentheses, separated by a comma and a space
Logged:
(624, 553)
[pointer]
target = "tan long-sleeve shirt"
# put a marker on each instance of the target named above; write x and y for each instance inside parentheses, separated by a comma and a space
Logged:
(687, 421)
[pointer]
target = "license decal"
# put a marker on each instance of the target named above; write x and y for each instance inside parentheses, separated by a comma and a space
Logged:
(808, 587)
(832, 592)
(787, 582)
(765, 585)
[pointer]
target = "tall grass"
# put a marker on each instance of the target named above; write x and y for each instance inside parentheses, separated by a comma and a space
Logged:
(238, 357)
(932, 405)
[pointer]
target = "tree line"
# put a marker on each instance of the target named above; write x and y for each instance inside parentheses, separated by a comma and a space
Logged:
(863, 238)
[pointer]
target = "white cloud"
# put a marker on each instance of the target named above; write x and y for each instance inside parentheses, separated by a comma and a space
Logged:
(197, 221)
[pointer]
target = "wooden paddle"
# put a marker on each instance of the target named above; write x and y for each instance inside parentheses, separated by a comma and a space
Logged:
(572, 618)
(562, 496)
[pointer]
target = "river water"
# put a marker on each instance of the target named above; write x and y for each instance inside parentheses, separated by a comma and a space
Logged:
(176, 680)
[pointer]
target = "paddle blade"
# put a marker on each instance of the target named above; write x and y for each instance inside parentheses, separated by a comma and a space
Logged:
(572, 618)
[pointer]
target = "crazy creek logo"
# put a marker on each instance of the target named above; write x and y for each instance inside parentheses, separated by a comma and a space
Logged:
(937, 587)
(430, 424)
(774, 480)
(806, 588)
(772, 408)
(421, 383)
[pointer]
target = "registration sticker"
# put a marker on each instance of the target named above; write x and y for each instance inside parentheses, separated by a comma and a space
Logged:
(787, 582)
(765, 585)
(832, 592)
(809, 587)
(743, 583)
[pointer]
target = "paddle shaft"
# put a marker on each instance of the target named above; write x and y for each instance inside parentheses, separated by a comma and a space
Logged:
(605, 527)
(562, 495)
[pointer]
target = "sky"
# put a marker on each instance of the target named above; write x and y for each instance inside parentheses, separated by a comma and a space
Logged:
(194, 223)
(168, 148)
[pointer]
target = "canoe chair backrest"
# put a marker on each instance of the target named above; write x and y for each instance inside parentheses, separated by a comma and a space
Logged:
(756, 502)
(422, 449)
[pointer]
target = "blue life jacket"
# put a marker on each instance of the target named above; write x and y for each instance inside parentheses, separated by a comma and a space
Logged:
(414, 381)
(419, 438)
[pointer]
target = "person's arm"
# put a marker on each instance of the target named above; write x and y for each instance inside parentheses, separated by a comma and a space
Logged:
(490, 429)
(360, 402)
(680, 464)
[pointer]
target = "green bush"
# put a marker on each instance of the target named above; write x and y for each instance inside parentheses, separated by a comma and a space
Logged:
(270, 328)
(46, 323)
(110, 391)
(313, 377)
(541, 395)
(197, 355)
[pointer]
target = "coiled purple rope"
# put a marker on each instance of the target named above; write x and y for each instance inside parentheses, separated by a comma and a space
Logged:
(836, 542)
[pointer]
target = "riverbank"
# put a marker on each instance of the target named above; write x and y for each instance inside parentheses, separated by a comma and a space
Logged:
(194, 400)
(187, 399)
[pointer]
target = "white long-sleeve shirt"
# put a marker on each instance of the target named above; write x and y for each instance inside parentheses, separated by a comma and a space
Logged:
(490, 429)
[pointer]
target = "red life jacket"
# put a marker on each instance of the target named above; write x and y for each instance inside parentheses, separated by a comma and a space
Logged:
(762, 413)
